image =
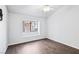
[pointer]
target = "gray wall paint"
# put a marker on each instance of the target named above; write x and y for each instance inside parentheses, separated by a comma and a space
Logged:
(15, 29)
(63, 26)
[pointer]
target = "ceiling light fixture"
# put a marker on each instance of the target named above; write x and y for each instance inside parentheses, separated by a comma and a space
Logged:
(46, 8)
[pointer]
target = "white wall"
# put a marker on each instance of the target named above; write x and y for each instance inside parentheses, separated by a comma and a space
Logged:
(3, 30)
(63, 26)
(15, 29)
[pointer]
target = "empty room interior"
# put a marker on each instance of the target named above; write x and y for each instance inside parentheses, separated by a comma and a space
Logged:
(39, 29)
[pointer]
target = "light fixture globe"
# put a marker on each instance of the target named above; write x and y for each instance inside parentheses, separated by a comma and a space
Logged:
(46, 8)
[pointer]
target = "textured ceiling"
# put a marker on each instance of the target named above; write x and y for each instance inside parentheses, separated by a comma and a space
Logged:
(33, 10)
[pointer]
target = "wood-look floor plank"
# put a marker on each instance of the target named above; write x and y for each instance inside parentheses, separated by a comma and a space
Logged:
(43, 46)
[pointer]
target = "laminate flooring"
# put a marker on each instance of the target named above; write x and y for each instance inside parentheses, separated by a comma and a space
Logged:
(42, 46)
